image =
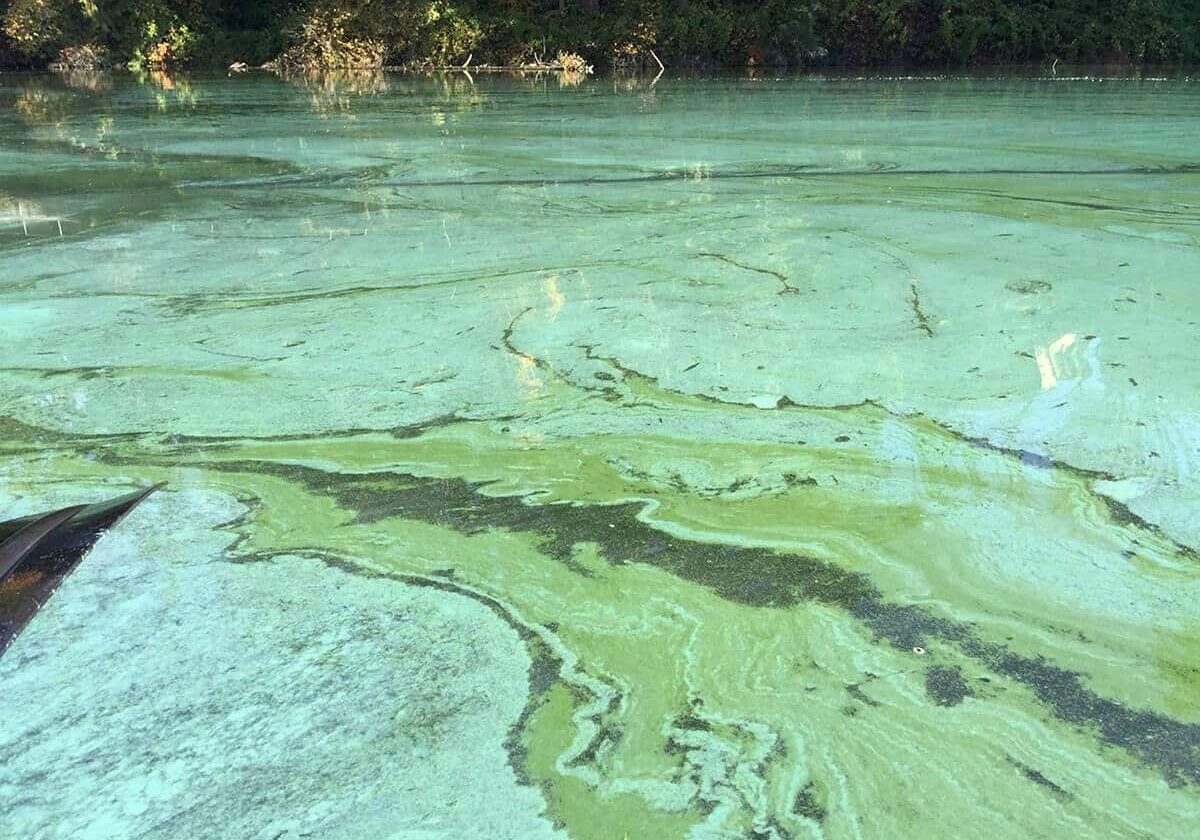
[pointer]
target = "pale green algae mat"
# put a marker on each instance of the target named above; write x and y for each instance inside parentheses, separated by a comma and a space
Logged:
(720, 458)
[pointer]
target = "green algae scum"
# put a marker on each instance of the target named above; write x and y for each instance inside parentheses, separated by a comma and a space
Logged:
(735, 457)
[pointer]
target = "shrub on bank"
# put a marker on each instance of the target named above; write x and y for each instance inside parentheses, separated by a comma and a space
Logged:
(175, 46)
(322, 42)
(82, 57)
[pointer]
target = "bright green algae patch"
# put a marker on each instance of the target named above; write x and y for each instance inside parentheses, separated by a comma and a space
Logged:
(803, 476)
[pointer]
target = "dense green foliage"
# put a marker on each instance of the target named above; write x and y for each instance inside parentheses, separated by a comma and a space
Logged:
(682, 32)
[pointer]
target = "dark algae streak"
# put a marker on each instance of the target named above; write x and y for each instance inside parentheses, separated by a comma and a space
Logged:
(1040, 779)
(758, 577)
(946, 686)
(808, 805)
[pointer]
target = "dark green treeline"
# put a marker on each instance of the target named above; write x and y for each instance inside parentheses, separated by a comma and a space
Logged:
(683, 33)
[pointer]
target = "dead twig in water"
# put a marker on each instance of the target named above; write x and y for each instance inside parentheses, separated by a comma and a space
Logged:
(788, 288)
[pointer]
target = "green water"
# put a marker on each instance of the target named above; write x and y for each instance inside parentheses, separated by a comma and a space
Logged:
(719, 458)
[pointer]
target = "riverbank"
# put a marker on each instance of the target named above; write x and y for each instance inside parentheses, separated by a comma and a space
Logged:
(618, 34)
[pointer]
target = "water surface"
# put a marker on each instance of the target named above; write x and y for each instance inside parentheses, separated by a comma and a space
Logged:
(767, 458)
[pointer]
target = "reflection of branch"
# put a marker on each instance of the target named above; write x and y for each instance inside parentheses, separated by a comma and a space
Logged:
(661, 68)
(506, 337)
(922, 319)
(199, 343)
(788, 288)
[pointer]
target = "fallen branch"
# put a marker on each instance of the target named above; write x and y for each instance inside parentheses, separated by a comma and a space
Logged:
(552, 67)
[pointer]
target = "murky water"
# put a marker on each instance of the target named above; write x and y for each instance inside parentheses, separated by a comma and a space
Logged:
(712, 458)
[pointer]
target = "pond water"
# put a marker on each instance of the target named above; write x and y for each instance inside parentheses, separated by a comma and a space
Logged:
(711, 458)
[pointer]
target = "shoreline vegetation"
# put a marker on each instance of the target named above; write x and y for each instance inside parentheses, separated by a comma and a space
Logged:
(576, 36)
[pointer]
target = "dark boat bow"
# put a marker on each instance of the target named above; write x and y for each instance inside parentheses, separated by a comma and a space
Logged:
(38, 552)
